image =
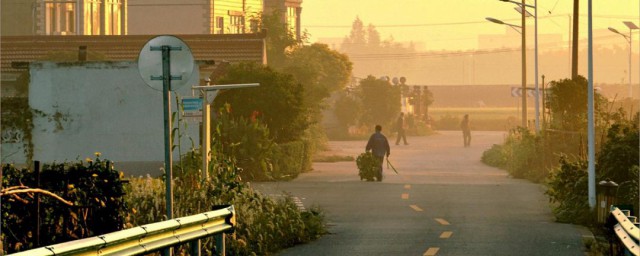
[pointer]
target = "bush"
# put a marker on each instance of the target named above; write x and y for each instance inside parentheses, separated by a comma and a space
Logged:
(246, 140)
(290, 160)
(94, 187)
(496, 156)
(521, 155)
(567, 188)
(618, 160)
(264, 225)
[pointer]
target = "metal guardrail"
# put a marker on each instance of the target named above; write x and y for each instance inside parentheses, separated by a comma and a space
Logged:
(627, 231)
(146, 238)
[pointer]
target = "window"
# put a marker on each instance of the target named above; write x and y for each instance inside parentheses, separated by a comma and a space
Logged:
(219, 25)
(92, 17)
(95, 17)
(112, 17)
(237, 24)
(60, 17)
(292, 17)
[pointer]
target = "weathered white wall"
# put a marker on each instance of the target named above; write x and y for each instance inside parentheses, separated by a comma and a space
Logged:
(100, 107)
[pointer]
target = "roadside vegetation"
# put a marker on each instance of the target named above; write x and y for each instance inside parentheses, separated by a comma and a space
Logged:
(269, 133)
(557, 156)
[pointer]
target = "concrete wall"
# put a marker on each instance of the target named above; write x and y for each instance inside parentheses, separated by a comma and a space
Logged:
(101, 107)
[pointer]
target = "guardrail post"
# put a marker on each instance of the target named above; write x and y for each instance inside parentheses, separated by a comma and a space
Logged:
(195, 248)
(220, 250)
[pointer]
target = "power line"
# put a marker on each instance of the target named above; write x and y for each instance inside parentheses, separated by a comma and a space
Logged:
(416, 55)
(461, 23)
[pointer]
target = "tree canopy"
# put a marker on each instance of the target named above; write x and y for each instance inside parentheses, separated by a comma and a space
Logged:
(278, 101)
(380, 101)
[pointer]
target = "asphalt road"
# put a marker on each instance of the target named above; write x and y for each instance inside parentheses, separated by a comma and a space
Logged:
(444, 201)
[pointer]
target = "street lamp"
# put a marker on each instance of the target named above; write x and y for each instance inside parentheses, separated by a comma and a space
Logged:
(629, 39)
(525, 13)
(524, 63)
(497, 21)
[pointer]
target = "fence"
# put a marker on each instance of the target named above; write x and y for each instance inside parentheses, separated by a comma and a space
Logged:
(148, 238)
(627, 230)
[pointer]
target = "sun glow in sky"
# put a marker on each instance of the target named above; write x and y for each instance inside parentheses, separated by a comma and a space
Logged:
(455, 24)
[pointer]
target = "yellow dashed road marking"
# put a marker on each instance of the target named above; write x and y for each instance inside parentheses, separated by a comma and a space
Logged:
(407, 186)
(442, 222)
(446, 234)
(405, 195)
(415, 208)
(431, 251)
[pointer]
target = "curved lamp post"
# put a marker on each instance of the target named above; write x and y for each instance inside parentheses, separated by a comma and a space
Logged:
(629, 39)
(524, 64)
(525, 13)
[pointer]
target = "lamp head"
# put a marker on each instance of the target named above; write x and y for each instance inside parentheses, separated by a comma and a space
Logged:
(613, 30)
(495, 20)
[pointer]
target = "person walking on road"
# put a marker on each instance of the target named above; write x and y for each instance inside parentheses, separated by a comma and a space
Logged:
(400, 126)
(379, 146)
(466, 130)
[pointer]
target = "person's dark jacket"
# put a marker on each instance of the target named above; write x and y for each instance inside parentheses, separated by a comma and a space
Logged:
(379, 145)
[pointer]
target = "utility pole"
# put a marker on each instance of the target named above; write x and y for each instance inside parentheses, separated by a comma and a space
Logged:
(574, 49)
(524, 68)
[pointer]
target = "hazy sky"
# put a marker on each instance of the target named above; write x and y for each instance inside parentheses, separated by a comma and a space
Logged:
(455, 24)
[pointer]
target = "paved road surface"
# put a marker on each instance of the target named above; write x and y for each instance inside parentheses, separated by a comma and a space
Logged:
(443, 202)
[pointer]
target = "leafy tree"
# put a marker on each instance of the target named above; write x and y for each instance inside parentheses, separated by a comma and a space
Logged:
(380, 100)
(348, 110)
(568, 103)
(278, 101)
(321, 70)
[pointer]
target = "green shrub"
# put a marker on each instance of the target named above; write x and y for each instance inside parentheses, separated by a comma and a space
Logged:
(618, 160)
(264, 225)
(567, 189)
(291, 159)
(94, 187)
(246, 140)
(496, 156)
(526, 154)
(521, 155)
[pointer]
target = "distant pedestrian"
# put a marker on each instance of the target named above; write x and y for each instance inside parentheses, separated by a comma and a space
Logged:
(379, 146)
(466, 130)
(400, 127)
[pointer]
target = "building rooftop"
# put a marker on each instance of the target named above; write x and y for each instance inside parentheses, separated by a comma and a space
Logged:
(17, 51)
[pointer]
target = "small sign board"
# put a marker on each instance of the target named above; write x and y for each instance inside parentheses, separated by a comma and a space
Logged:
(517, 92)
(150, 62)
(192, 107)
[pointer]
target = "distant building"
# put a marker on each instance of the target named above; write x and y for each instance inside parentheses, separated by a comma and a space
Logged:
(148, 17)
(63, 17)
